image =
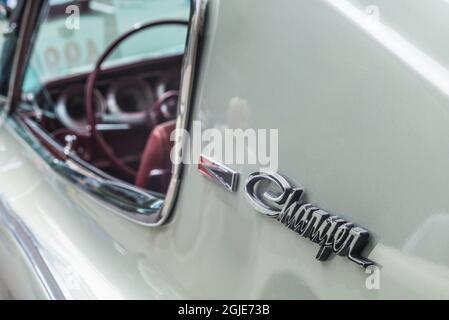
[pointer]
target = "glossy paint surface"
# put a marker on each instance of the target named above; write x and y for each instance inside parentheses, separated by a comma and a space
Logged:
(362, 110)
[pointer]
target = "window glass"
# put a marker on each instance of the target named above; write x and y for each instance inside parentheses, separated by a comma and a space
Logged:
(75, 33)
(124, 132)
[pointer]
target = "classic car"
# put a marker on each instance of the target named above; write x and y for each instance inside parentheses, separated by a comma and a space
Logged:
(173, 149)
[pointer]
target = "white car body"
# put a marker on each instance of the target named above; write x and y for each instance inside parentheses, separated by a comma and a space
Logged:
(362, 108)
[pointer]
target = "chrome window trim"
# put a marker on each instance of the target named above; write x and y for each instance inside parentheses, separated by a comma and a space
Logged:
(30, 247)
(93, 182)
(157, 210)
(31, 16)
(198, 15)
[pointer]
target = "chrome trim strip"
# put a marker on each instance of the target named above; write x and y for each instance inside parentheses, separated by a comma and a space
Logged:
(185, 100)
(30, 247)
(218, 173)
(131, 203)
(32, 13)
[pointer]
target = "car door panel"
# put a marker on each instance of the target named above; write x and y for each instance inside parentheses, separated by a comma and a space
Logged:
(362, 113)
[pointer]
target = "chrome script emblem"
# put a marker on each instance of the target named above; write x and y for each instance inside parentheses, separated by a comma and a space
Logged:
(218, 173)
(273, 196)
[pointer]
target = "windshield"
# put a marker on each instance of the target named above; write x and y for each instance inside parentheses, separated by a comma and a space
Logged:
(75, 33)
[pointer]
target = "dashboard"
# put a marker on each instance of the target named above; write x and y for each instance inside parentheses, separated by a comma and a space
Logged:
(121, 93)
(116, 92)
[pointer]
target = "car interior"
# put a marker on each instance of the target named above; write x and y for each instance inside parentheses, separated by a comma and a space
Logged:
(117, 117)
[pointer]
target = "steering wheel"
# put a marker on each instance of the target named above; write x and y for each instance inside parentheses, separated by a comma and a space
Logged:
(165, 108)
(132, 118)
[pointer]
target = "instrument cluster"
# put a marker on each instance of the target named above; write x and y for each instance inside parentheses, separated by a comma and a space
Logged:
(119, 95)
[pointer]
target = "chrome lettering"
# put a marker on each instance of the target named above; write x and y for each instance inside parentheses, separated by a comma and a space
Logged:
(332, 233)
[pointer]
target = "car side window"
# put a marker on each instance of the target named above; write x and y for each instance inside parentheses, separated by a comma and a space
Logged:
(75, 33)
(100, 98)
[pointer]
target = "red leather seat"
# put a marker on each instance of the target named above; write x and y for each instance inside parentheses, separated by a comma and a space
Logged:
(155, 166)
